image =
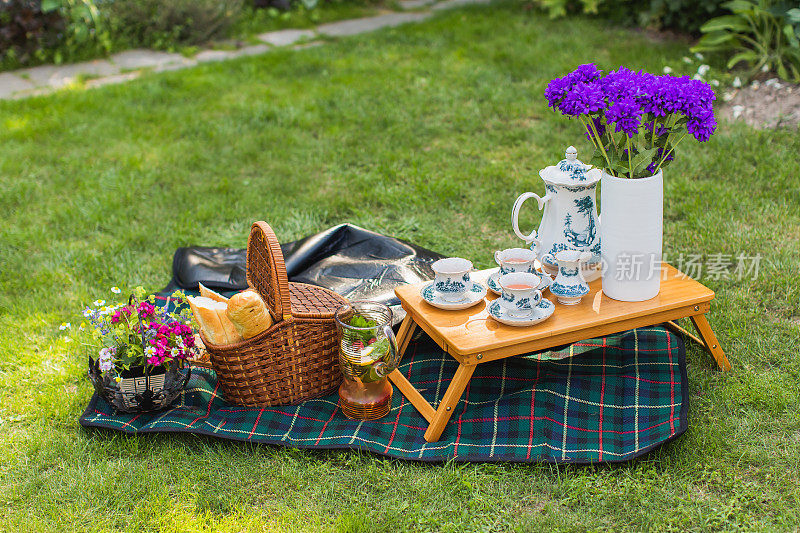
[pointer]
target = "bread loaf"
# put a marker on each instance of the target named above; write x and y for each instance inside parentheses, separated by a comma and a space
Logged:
(205, 313)
(208, 293)
(212, 317)
(249, 314)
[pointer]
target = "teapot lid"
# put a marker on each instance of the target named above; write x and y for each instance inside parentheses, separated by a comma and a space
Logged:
(570, 171)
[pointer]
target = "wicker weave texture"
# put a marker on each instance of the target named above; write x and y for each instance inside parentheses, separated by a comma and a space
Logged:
(294, 360)
(266, 271)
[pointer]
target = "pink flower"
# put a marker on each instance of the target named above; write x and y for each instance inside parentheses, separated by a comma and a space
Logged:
(146, 309)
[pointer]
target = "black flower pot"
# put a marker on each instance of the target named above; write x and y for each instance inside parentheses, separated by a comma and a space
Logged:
(140, 388)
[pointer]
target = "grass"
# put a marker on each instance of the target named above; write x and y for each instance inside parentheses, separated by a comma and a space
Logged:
(406, 131)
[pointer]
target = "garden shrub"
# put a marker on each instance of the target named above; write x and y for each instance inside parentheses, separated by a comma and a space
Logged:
(761, 33)
(37, 31)
(165, 24)
(682, 15)
(26, 32)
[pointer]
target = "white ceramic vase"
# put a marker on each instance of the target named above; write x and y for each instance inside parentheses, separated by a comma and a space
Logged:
(631, 233)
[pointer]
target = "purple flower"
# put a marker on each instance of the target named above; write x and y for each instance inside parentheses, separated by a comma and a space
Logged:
(599, 126)
(626, 115)
(628, 100)
(622, 83)
(558, 87)
(661, 130)
(583, 99)
(651, 168)
(702, 128)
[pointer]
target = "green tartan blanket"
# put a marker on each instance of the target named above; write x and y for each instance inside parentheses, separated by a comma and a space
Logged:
(603, 400)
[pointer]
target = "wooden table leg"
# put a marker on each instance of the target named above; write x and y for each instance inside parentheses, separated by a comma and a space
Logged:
(404, 334)
(673, 326)
(413, 395)
(408, 390)
(449, 401)
(710, 340)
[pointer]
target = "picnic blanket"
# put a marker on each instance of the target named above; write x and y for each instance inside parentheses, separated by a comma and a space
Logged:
(602, 400)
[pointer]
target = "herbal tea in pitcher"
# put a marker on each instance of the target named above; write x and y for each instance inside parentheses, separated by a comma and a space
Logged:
(367, 354)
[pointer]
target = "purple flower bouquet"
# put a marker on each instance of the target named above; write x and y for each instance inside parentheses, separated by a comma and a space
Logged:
(634, 119)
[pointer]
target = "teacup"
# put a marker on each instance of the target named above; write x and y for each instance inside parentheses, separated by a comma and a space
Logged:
(451, 278)
(519, 293)
(515, 260)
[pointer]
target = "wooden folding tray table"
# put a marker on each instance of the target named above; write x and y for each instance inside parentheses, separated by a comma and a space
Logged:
(472, 337)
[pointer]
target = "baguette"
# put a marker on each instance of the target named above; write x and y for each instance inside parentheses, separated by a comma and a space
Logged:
(208, 293)
(248, 314)
(230, 330)
(206, 314)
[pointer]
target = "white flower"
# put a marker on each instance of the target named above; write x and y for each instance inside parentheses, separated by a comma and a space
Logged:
(699, 56)
(87, 313)
(697, 77)
(64, 325)
(737, 82)
(703, 69)
(687, 60)
(715, 83)
(67, 339)
(115, 290)
(765, 68)
(107, 353)
(98, 303)
(667, 70)
(150, 351)
(737, 110)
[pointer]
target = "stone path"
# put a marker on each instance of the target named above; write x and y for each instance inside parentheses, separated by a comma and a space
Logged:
(131, 64)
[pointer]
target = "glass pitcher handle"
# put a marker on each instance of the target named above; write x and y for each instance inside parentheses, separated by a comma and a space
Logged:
(393, 360)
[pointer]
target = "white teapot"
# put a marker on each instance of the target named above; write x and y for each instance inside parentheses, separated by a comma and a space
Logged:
(570, 220)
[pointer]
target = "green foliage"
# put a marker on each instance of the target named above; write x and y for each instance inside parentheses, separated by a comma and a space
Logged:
(681, 15)
(167, 24)
(760, 33)
(34, 31)
(26, 32)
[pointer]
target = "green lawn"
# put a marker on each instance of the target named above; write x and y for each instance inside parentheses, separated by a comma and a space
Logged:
(427, 132)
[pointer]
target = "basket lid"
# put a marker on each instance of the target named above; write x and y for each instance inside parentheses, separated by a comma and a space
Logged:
(266, 271)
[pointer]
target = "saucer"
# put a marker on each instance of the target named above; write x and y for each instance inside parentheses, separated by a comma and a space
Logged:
(474, 295)
(494, 286)
(538, 314)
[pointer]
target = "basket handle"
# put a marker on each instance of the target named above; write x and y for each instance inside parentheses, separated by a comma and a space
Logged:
(266, 271)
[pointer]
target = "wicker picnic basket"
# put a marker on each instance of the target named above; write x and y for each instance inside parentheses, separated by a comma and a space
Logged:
(296, 358)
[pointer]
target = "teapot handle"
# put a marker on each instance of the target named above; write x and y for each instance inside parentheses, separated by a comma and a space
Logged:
(515, 215)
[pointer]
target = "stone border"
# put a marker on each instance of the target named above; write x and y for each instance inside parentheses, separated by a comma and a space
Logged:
(130, 64)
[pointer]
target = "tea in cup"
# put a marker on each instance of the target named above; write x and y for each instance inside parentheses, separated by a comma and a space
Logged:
(515, 260)
(519, 293)
(452, 278)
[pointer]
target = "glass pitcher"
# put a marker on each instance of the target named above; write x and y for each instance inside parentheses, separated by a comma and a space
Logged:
(367, 354)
